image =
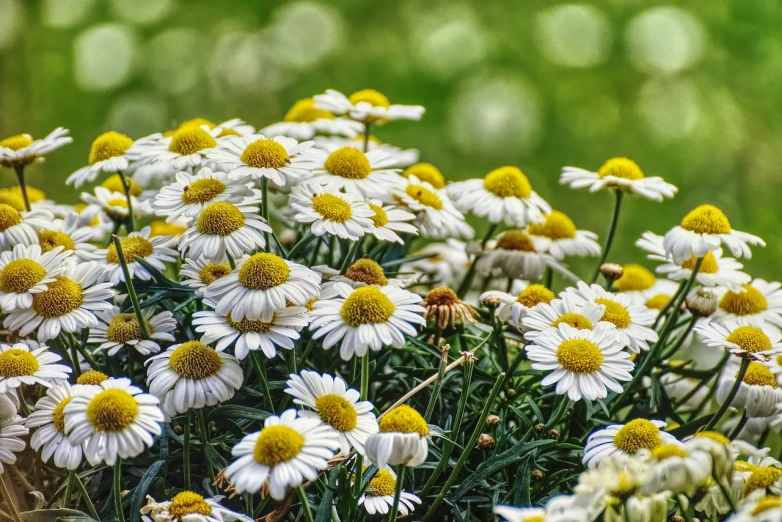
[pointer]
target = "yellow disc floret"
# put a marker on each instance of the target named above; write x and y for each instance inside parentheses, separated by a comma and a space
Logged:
(160, 227)
(332, 208)
(635, 278)
(666, 451)
(758, 374)
(62, 297)
(337, 412)
(213, 271)
(188, 503)
(124, 328)
(579, 356)
(750, 339)
(220, 219)
(713, 435)
(195, 360)
(304, 111)
(637, 434)
(50, 239)
(247, 325)
(382, 484)
(706, 219)
(575, 320)
(366, 271)
(557, 226)
(767, 503)
(263, 271)
(202, 190)
(657, 302)
(366, 305)
(109, 145)
(515, 240)
(762, 478)
(265, 154)
(13, 199)
(507, 182)
(349, 163)
(112, 410)
(709, 265)
(426, 172)
(621, 168)
(91, 377)
(535, 294)
(370, 96)
(615, 313)
(17, 362)
(277, 444)
(424, 196)
(58, 415)
(17, 142)
(404, 419)
(380, 219)
(748, 302)
(20, 275)
(132, 247)
(9, 217)
(189, 140)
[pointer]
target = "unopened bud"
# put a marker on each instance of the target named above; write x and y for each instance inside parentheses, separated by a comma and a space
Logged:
(493, 420)
(537, 474)
(611, 271)
(490, 301)
(510, 393)
(701, 301)
(287, 238)
(676, 518)
(540, 428)
(552, 434)
(485, 441)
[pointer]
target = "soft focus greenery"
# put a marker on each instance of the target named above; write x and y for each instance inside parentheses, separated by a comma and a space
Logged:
(689, 92)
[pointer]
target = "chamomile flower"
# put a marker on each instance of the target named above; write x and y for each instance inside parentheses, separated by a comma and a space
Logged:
(504, 195)
(447, 262)
(379, 496)
(758, 392)
(336, 405)
(185, 149)
(192, 375)
(585, 363)
(331, 212)
(436, 215)
(426, 172)
(754, 342)
(632, 321)
(232, 127)
(262, 284)
(25, 271)
(366, 105)
(444, 306)
(558, 236)
(368, 317)
(759, 508)
(153, 250)
(22, 364)
(69, 234)
(282, 160)
(118, 330)
(198, 273)
(113, 419)
(303, 121)
(758, 303)
(50, 436)
(389, 221)
(22, 149)
(288, 450)
(514, 308)
(68, 304)
(639, 284)
(403, 439)
(366, 174)
(703, 230)
(362, 272)
(188, 506)
(107, 154)
(618, 174)
(246, 335)
(680, 468)
(397, 156)
(189, 193)
(514, 256)
(560, 508)
(581, 315)
(21, 228)
(11, 429)
(114, 205)
(625, 439)
(225, 228)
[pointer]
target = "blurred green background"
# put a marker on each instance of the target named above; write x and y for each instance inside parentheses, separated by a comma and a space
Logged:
(690, 89)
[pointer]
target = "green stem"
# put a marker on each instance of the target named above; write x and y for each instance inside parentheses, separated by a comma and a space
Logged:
(23, 402)
(9, 499)
(685, 511)
(351, 252)
(118, 490)
(75, 360)
(438, 385)
(265, 210)
(669, 304)
(306, 240)
(548, 278)
(84, 353)
(611, 233)
(470, 275)
(367, 133)
(255, 357)
(305, 504)
(365, 377)
(131, 289)
(86, 497)
(397, 494)
(19, 169)
(186, 450)
(204, 440)
(733, 391)
(675, 348)
(740, 426)
(128, 196)
(69, 488)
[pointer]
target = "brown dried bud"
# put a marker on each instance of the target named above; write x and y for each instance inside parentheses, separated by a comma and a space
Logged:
(552, 434)
(540, 428)
(676, 518)
(611, 271)
(485, 441)
(177, 428)
(493, 420)
(537, 474)
(510, 393)
(701, 301)
(491, 302)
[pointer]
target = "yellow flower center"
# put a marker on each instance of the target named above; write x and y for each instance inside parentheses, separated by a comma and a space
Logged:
(424, 196)
(58, 415)
(370, 96)
(195, 360)
(277, 444)
(383, 484)
(220, 219)
(706, 219)
(337, 412)
(17, 142)
(189, 140)
(91, 377)
(557, 226)
(667, 451)
(637, 434)
(17, 362)
(635, 278)
(615, 313)
(767, 503)
(133, 246)
(9, 217)
(748, 302)
(249, 325)
(744, 466)
(758, 374)
(366, 271)
(535, 294)
(160, 228)
(263, 271)
(12, 198)
(515, 240)
(116, 207)
(62, 297)
(366, 305)
(112, 410)
(750, 339)
(196, 122)
(332, 208)
(188, 503)
(214, 271)
(348, 162)
(709, 265)
(380, 219)
(20, 275)
(404, 419)
(108, 145)
(426, 172)
(658, 301)
(762, 478)
(621, 168)
(125, 327)
(713, 435)
(441, 296)
(49, 240)
(575, 320)
(202, 190)
(304, 111)
(579, 356)
(507, 182)
(265, 154)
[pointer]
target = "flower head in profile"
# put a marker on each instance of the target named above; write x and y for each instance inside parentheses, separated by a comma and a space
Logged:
(114, 205)
(117, 330)
(49, 420)
(107, 154)
(160, 156)
(625, 439)
(367, 106)
(154, 250)
(12, 428)
(188, 506)
(558, 235)
(515, 256)
(21, 364)
(303, 121)
(69, 234)
(379, 495)
(618, 174)
(402, 439)
(21, 150)
(20, 227)
(753, 342)
(435, 215)
(758, 303)
(446, 309)
(200, 272)
(639, 284)
(758, 393)
(514, 308)
(389, 221)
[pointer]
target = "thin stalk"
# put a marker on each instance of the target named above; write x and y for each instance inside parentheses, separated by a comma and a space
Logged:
(131, 290)
(625, 512)
(204, 440)
(305, 504)
(675, 348)
(400, 478)
(87, 357)
(315, 250)
(131, 218)
(470, 275)
(261, 371)
(9, 499)
(740, 426)
(685, 510)
(611, 233)
(118, 490)
(548, 278)
(712, 390)
(364, 394)
(69, 488)
(667, 308)
(364, 377)
(186, 450)
(367, 134)
(23, 402)
(349, 258)
(19, 169)
(265, 210)
(306, 240)
(75, 360)
(438, 385)
(86, 497)
(733, 391)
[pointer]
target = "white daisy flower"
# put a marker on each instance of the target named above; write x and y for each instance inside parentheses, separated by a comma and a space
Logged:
(513, 255)
(189, 193)
(117, 330)
(233, 127)
(21, 150)
(366, 105)
(192, 375)
(625, 439)
(336, 405)
(639, 284)
(758, 303)
(153, 250)
(379, 496)
(403, 439)
(9, 404)
(618, 174)
(261, 285)
(51, 437)
(287, 451)
(225, 228)
(504, 195)
(397, 156)
(249, 335)
(69, 303)
(436, 215)
(755, 342)
(426, 172)
(107, 154)
(69, 234)
(703, 230)
(581, 315)
(349, 169)
(114, 205)
(281, 159)
(331, 212)
(11, 429)
(22, 364)
(303, 121)
(200, 272)
(366, 317)
(513, 309)
(758, 392)
(632, 321)
(447, 264)
(759, 508)
(25, 271)
(389, 220)
(680, 468)
(362, 272)
(21, 228)
(558, 236)
(561, 508)
(680, 387)
(187, 506)
(161, 156)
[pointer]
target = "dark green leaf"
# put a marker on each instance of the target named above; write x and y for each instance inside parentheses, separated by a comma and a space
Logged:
(56, 515)
(242, 412)
(140, 491)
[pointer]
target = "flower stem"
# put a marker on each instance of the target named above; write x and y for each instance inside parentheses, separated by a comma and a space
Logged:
(131, 290)
(128, 196)
(306, 240)
(69, 488)
(265, 210)
(367, 134)
(9, 499)
(365, 377)
(740, 426)
(351, 253)
(22, 186)
(733, 391)
(204, 441)
(611, 233)
(305, 504)
(261, 371)
(397, 494)
(117, 490)
(186, 450)
(86, 497)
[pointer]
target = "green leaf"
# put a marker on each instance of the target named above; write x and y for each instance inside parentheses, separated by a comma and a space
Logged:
(56, 515)
(323, 514)
(242, 412)
(521, 487)
(140, 491)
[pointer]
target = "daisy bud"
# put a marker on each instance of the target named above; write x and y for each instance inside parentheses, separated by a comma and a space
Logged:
(485, 441)
(537, 474)
(701, 301)
(510, 393)
(611, 271)
(552, 434)
(402, 439)
(473, 248)
(493, 420)
(491, 302)
(540, 428)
